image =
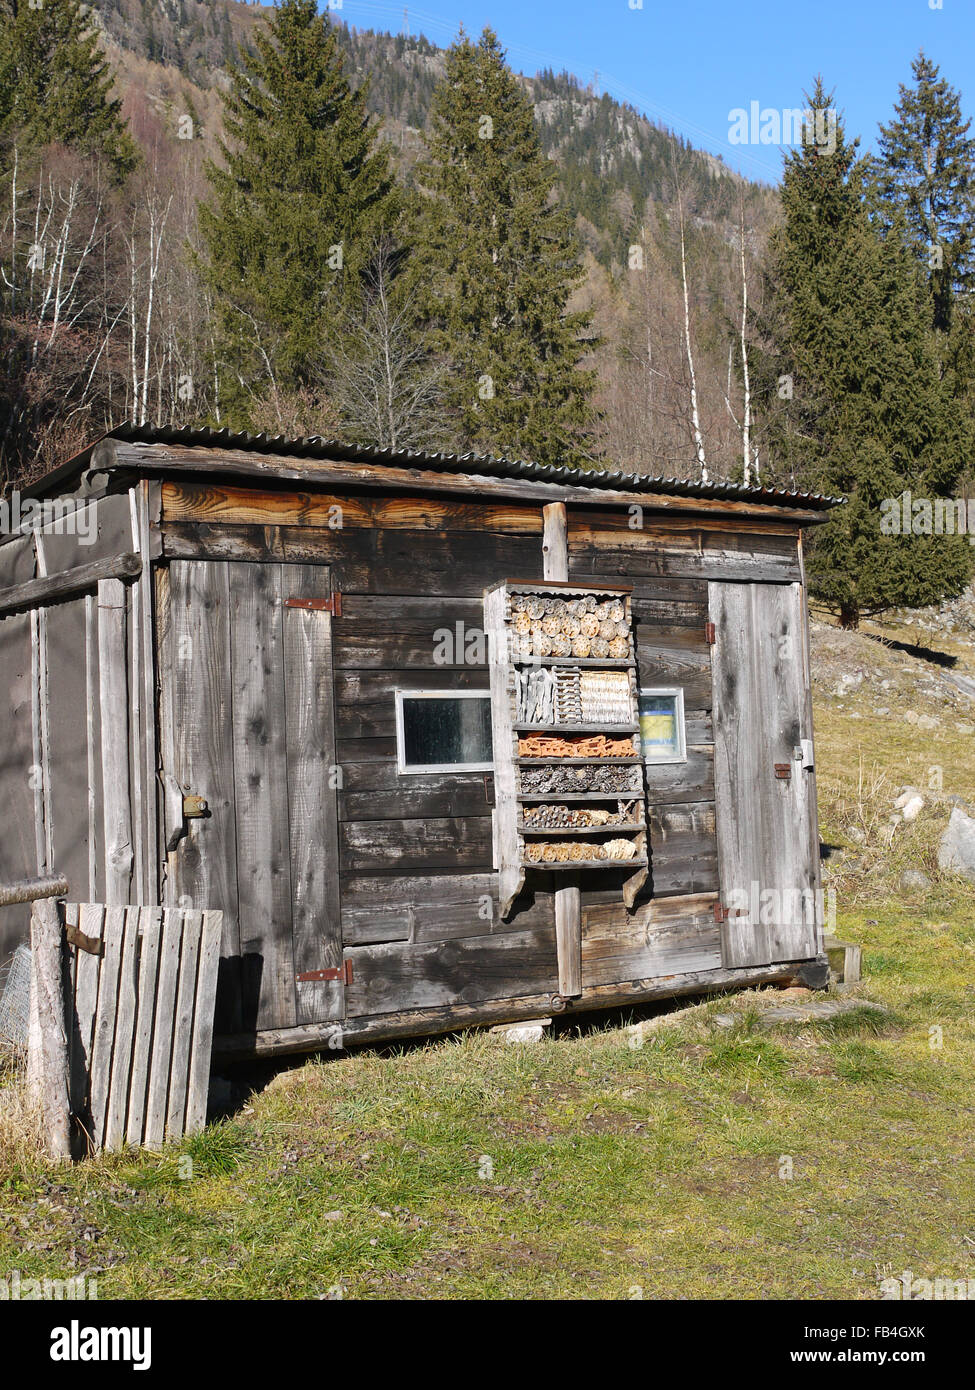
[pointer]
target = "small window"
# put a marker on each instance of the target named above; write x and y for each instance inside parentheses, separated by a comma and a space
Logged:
(662, 726)
(443, 731)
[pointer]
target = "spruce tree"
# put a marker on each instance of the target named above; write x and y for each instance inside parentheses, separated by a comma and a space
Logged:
(926, 170)
(500, 263)
(303, 193)
(868, 416)
(56, 85)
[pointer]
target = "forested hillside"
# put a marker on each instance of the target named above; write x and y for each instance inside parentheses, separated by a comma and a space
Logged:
(618, 178)
(256, 217)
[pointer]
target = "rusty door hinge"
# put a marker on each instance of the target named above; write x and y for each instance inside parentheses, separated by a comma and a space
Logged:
(709, 633)
(783, 771)
(722, 913)
(341, 972)
(331, 605)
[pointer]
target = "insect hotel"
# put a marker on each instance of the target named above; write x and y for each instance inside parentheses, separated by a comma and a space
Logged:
(446, 740)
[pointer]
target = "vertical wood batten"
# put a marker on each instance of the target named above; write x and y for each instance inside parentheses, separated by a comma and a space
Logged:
(150, 750)
(312, 796)
(43, 653)
(568, 896)
(113, 700)
(91, 733)
(260, 778)
(197, 718)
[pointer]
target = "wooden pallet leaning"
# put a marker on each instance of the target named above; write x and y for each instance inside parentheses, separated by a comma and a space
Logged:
(140, 985)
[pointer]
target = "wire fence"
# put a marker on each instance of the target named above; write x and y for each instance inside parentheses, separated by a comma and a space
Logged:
(15, 1001)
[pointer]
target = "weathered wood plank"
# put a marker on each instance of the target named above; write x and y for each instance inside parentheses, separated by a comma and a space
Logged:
(433, 907)
(425, 1022)
(382, 476)
(167, 979)
(662, 937)
(55, 588)
(390, 977)
(150, 936)
(116, 1109)
(105, 1014)
(202, 1044)
(228, 505)
(441, 841)
(87, 968)
(195, 665)
(182, 1026)
(261, 785)
(368, 562)
(625, 560)
(114, 709)
(312, 778)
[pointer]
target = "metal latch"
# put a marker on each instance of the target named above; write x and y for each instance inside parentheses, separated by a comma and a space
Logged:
(194, 807)
(341, 972)
(709, 634)
(722, 913)
(331, 605)
(783, 771)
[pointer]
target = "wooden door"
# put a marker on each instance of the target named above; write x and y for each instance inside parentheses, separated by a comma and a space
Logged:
(249, 726)
(768, 845)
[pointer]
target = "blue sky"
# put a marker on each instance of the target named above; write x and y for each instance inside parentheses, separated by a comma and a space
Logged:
(688, 63)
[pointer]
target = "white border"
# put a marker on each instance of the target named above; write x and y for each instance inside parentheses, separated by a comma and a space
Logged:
(667, 690)
(405, 770)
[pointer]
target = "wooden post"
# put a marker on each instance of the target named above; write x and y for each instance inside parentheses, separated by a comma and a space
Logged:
(47, 1035)
(568, 896)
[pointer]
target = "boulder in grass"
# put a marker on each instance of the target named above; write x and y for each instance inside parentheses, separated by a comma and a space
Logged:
(957, 849)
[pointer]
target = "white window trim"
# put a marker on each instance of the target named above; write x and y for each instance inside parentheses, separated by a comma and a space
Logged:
(681, 755)
(406, 770)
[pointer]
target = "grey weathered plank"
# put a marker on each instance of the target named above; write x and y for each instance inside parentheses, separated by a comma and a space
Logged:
(195, 665)
(260, 777)
(116, 1110)
(667, 936)
(312, 772)
(150, 936)
(87, 967)
(414, 975)
(202, 1045)
(182, 1023)
(114, 708)
(154, 1130)
(438, 842)
(105, 1015)
(55, 587)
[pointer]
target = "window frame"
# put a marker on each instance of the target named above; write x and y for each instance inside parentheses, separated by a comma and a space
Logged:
(669, 691)
(418, 770)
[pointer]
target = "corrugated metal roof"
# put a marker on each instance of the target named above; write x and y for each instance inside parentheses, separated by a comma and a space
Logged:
(485, 465)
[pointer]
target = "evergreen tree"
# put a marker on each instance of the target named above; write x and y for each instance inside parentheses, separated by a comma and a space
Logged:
(56, 85)
(304, 193)
(869, 417)
(926, 170)
(501, 264)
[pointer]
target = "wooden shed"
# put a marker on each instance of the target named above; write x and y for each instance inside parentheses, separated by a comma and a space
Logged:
(449, 740)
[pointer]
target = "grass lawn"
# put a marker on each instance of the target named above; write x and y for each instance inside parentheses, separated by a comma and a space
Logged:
(676, 1160)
